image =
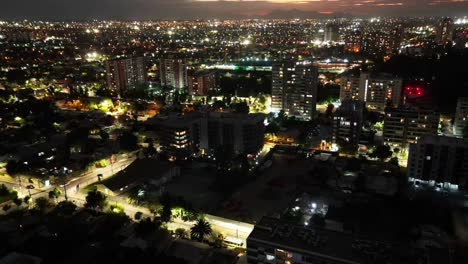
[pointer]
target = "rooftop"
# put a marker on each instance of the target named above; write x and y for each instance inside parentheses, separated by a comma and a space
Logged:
(338, 245)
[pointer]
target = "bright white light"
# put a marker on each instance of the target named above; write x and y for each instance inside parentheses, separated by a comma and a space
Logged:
(246, 42)
(314, 205)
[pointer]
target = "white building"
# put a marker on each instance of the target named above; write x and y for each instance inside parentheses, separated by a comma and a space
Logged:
(294, 89)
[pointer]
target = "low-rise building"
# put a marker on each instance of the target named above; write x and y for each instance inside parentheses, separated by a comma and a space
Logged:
(275, 241)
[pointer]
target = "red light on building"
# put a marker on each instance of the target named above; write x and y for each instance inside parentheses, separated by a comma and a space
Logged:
(412, 91)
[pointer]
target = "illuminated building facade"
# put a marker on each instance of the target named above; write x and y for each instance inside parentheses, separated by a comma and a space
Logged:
(461, 117)
(377, 91)
(347, 122)
(173, 72)
(184, 136)
(444, 32)
(179, 136)
(353, 41)
(404, 126)
(294, 89)
(200, 83)
(440, 162)
(332, 33)
(124, 74)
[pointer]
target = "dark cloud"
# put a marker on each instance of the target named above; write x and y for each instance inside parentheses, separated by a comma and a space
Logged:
(191, 9)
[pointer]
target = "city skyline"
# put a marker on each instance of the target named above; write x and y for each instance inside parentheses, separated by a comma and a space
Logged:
(226, 9)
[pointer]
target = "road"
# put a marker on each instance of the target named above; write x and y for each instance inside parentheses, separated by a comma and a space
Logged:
(91, 176)
(224, 226)
(86, 178)
(221, 225)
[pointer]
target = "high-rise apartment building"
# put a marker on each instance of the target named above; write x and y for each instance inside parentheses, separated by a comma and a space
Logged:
(347, 122)
(353, 41)
(377, 91)
(444, 32)
(173, 72)
(200, 83)
(461, 117)
(404, 126)
(332, 33)
(441, 162)
(294, 89)
(124, 74)
(183, 136)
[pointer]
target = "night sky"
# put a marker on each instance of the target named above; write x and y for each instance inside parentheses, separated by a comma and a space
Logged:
(192, 9)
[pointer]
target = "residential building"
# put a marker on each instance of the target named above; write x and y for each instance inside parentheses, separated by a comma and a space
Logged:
(332, 33)
(243, 132)
(294, 89)
(275, 241)
(439, 161)
(444, 31)
(194, 133)
(404, 126)
(173, 72)
(200, 83)
(377, 91)
(179, 136)
(124, 74)
(347, 122)
(461, 117)
(353, 41)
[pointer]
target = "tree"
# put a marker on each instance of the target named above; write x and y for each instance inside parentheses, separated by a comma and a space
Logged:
(6, 207)
(65, 208)
(166, 213)
(381, 152)
(200, 230)
(95, 200)
(394, 161)
(146, 227)
(128, 141)
(42, 204)
(138, 215)
(18, 201)
(180, 232)
(13, 167)
(240, 108)
(55, 193)
(27, 199)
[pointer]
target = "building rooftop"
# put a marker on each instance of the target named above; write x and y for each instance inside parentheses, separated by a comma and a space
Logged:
(338, 245)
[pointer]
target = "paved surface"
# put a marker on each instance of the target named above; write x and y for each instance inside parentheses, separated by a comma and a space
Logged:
(220, 225)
